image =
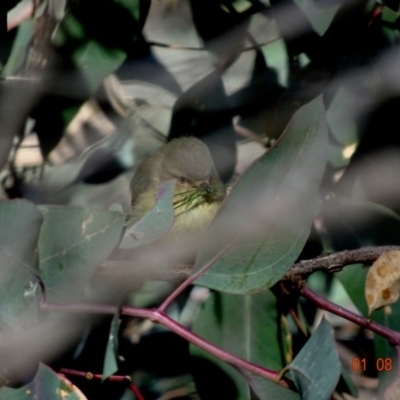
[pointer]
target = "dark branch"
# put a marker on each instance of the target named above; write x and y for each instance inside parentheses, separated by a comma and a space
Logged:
(336, 261)
(329, 263)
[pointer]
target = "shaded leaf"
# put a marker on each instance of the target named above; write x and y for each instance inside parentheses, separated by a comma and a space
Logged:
(340, 116)
(73, 242)
(19, 49)
(86, 54)
(266, 389)
(319, 17)
(316, 368)
(353, 223)
(244, 325)
(346, 384)
(203, 111)
(382, 285)
(155, 223)
(110, 365)
(393, 391)
(20, 223)
(351, 277)
(269, 211)
(46, 385)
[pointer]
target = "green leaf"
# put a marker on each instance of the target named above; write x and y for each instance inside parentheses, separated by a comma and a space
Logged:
(96, 62)
(269, 211)
(155, 223)
(267, 390)
(82, 39)
(20, 48)
(110, 365)
(316, 368)
(19, 289)
(46, 385)
(319, 17)
(351, 224)
(340, 116)
(243, 325)
(353, 280)
(73, 242)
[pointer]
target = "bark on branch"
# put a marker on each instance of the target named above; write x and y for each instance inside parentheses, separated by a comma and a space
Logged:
(329, 263)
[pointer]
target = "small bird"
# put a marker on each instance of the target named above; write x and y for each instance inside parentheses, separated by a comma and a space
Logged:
(198, 189)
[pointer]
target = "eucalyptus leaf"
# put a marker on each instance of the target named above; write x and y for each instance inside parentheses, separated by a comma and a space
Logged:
(243, 325)
(320, 17)
(20, 223)
(268, 214)
(155, 223)
(46, 385)
(266, 389)
(73, 241)
(316, 368)
(19, 49)
(110, 365)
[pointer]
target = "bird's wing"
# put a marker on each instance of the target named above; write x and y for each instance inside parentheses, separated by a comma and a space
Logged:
(141, 182)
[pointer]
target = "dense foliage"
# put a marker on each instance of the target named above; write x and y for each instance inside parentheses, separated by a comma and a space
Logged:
(91, 87)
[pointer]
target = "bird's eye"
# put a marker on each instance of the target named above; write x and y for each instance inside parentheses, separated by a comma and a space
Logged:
(182, 179)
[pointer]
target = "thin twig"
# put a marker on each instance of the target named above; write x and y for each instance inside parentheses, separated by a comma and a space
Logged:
(329, 263)
(192, 48)
(336, 262)
(113, 378)
(163, 319)
(192, 278)
(392, 336)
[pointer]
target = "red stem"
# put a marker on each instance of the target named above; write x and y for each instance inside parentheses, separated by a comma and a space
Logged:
(160, 317)
(135, 390)
(112, 378)
(166, 303)
(392, 336)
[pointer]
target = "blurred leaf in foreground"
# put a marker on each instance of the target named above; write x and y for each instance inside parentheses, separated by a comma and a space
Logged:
(73, 242)
(154, 224)
(46, 385)
(269, 211)
(20, 223)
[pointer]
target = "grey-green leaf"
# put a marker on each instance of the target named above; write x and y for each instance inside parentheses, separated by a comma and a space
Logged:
(45, 386)
(316, 368)
(244, 325)
(269, 211)
(320, 17)
(73, 241)
(110, 365)
(20, 223)
(154, 224)
(267, 390)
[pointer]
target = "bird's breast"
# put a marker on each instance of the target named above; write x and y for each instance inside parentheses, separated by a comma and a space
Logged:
(195, 218)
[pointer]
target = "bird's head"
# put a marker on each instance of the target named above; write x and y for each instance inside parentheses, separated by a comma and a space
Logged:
(188, 160)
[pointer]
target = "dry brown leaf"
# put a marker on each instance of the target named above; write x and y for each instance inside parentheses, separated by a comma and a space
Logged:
(382, 286)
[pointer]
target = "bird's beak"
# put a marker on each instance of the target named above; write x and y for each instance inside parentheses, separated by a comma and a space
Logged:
(205, 186)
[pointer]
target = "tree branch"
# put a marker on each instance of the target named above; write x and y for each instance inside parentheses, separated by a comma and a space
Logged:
(336, 261)
(165, 320)
(329, 263)
(392, 336)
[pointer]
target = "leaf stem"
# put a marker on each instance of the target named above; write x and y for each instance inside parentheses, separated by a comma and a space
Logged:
(165, 304)
(113, 378)
(163, 319)
(392, 336)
